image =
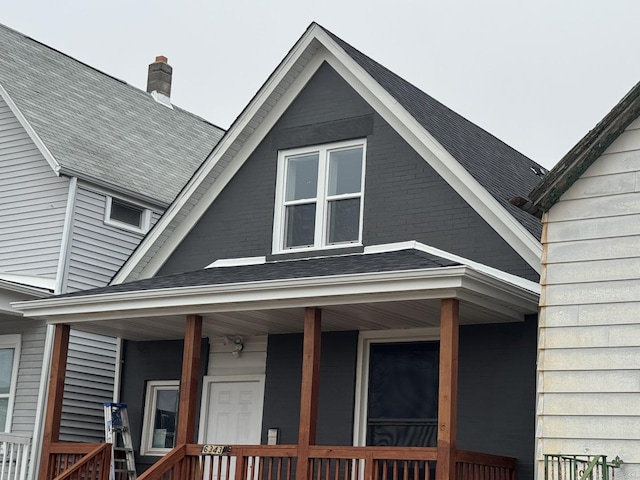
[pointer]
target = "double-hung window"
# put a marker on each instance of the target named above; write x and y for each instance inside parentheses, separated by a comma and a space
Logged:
(319, 197)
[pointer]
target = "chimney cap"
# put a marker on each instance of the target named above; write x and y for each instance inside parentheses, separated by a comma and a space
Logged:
(162, 58)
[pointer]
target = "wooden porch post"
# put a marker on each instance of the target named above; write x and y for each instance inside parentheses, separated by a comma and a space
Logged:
(51, 433)
(189, 380)
(309, 390)
(448, 390)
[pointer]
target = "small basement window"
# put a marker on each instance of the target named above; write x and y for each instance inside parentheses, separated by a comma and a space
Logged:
(127, 215)
(160, 417)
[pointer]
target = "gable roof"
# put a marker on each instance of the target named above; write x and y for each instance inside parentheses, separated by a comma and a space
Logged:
(482, 169)
(587, 150)
(99, 128)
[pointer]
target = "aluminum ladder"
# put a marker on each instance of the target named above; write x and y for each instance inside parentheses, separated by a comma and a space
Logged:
(118, 434)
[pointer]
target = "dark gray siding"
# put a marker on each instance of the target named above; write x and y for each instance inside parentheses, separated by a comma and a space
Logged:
(337, 381)
(144, 361)
(404, 198)
(497, 391)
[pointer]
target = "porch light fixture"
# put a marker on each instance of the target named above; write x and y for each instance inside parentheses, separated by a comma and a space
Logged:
(238, 344)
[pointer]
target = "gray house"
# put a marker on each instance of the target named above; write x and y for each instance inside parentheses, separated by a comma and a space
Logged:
(342, 289)
(87, 166)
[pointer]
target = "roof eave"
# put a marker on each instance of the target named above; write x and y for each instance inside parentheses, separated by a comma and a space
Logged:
(446, 282)
(587, 151)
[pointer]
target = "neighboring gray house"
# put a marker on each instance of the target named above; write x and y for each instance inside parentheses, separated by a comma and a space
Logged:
(88, 163)
(588, 389)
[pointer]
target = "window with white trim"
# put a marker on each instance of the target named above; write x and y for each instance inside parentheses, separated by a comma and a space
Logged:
(126, 215)
(160, 417)
(9, 357)
(319, 197)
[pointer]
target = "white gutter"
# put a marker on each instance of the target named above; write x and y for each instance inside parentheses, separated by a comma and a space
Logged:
(444, 282)
(65, 245)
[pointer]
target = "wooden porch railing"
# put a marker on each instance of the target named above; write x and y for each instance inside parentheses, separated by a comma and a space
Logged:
(79, 461)
(278, 462)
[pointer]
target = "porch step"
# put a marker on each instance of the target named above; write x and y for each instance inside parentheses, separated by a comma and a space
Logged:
(117, 433)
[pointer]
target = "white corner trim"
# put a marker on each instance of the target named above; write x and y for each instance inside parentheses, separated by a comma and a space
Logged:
(48, 156)
(481, 267)
(236, 262)
(65, 245)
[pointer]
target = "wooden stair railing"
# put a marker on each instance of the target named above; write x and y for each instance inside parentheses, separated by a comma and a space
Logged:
(95, 465)
(169, 461)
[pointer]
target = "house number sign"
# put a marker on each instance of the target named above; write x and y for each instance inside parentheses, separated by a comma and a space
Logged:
(215, 450)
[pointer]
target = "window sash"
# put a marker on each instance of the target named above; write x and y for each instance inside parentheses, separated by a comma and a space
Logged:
(322, 200)
(150, 409)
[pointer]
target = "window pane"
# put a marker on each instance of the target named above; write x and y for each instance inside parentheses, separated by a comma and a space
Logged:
(4, 405)
(344, 220)
(126, 213)
(300, 225)
(166, 415)
(6, 367)
(345, 171)
(302, 177)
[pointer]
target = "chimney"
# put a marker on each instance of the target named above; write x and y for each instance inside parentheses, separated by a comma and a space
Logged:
(159, 81)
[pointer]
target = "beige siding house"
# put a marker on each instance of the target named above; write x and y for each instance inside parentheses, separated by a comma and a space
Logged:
(588, 389)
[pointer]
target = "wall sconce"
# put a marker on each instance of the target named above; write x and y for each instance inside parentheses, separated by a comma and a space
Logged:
(238, 344)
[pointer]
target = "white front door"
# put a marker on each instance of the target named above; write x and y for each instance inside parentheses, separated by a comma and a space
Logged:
(232, 410)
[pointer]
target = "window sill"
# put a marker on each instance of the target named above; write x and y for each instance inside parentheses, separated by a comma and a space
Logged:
(316, 252)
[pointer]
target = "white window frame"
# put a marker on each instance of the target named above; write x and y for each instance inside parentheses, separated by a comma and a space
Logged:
(145, 216)
(321, 200)
(146, 441)
(11, 341)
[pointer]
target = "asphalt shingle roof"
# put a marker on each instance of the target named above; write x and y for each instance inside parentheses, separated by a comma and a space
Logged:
(100, 128)
(401, 260)
(504, 172)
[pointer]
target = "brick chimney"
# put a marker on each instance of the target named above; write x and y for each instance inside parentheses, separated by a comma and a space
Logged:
(159, 80)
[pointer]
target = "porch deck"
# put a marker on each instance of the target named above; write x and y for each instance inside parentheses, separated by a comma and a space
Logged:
(285, 462)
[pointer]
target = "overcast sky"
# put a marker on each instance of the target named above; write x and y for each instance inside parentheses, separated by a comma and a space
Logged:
(537, 74)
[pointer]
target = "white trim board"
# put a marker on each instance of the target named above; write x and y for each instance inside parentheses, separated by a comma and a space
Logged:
(259, 117)
(35, 138)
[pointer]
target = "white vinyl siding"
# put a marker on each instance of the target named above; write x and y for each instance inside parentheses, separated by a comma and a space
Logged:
(32, 203)
(589, 343)
(97, 250)
(88, 384)
(251, 361)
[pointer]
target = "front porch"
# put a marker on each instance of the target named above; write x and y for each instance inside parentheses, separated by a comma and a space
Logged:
(282, 462)
(398, 291)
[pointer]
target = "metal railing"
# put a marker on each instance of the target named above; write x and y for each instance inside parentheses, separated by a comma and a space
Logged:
(14, 456)
(580, 467)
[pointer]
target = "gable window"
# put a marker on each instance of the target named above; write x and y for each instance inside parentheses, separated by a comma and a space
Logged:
(319, 196)
(9, 355)
(160, 417)
(127, 215)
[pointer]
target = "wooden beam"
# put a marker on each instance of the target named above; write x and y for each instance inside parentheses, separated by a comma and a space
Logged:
(189, 381)
(309, 389)
(448, 389)
(55, 392)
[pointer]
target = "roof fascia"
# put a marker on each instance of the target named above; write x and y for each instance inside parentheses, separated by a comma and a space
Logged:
(587, 151)
(445, 282)
(215, 161)
(528, 247)
(27, 283)
(35, 138)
